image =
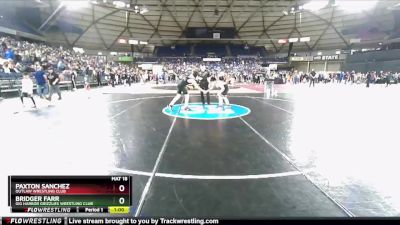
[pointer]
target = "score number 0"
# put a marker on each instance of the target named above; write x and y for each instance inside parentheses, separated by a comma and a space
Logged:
(121, 188)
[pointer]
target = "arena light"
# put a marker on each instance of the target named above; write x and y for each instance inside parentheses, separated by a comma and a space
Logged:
(133, 42)
(119, 4)
(355, 40)
(337, 52)
(113, 53)
(305, 39)
(353, 6)
(293, 40)
(144, 10)
(143, 42)
(99, 53)
(282, 41)
(315, 5)
(319, 53)
(122, 41)
(78, 4)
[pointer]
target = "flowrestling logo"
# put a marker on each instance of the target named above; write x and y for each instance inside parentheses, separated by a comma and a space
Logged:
(207, 112)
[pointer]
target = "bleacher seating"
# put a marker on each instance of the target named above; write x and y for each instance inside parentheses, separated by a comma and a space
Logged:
(10, 83)
(179, 50)
(377, 61)
(205, 50)
(377, 56)
(238, 50)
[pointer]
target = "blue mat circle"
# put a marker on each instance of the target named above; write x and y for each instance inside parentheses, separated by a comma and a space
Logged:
(208, 112)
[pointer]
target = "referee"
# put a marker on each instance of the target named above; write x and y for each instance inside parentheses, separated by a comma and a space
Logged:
(312, 79)
(204, 83)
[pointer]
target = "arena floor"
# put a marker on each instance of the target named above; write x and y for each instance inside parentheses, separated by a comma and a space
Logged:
(329, 151)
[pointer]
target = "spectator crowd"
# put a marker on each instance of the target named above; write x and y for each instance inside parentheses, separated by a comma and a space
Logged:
(45, 62)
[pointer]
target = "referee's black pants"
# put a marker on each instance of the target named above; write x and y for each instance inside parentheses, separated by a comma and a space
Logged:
(312, 81)
(205, 87)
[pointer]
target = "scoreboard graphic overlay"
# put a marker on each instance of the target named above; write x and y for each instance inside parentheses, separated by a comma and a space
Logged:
(70, 194)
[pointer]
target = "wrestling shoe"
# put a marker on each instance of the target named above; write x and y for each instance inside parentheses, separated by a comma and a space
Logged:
(169, 107)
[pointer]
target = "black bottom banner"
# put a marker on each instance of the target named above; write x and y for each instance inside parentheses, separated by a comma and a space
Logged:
(200, 221)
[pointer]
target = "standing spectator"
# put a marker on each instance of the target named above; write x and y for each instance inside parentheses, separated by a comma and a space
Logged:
(61, 64)
(3, 48)
(112, 78)
(373, 77)
(41, 83)
(296, 78)
(6, 68)
(98, 77)
(54, 82)
(9, 53)
(27, 89)
(11, 65)
(86, 79)
(312, 78)
(368, 79)
(129, 78)
(17, 57)
(124, 77)
(74, 75)
(388, 78)
(352, 76)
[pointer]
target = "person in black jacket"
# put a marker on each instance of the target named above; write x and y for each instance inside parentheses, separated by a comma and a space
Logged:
(54, 81)
(112, 78)
(204, 82)
(98, 77)
(312, 78)
(388, 78)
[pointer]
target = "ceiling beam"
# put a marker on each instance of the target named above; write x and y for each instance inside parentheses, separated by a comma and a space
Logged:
(60, 7)
(93, 23)
(252, 15)
(223, 13)
(186, 25)
(97, 29)
(265, 30)
(235, 26)
(308, 46)
(196, 8)
(331, 25)
(53, 15)
(325, 30)
(156, 30)
(298, 32)
(116, 39)
(163, 4)
(290, 34)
